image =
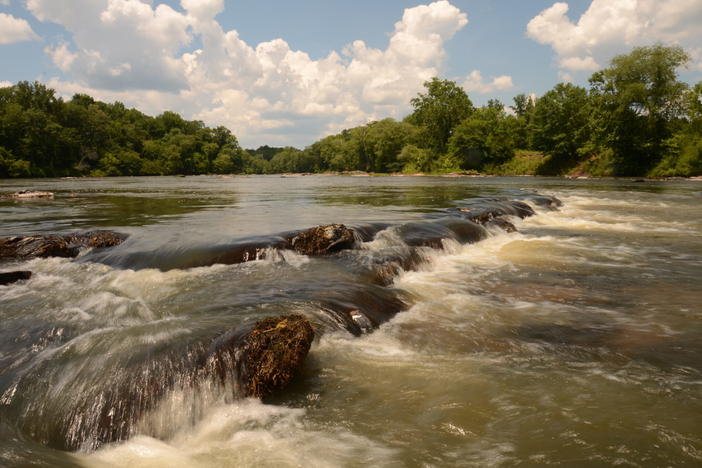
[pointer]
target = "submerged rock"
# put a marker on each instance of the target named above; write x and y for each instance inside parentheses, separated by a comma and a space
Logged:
(9, 277)
(359, 310)
(52, 245)
(424, 234)
(251, 361)
(501, 223)
(544, 201)
(482, 211)
(323, 240)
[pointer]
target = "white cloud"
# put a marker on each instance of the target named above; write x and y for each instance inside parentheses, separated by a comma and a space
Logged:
(15, 30)
(120, 44)
(475, 83)
(131, 50)
(61, 56)
(5, 84)
(610, 27)
(203, 9)
(579, 63)
(6, 3)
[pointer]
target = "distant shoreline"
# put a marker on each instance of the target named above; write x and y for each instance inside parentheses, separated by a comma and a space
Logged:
(375, 174)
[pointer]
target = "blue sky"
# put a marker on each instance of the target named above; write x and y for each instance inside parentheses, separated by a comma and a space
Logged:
(284, 72)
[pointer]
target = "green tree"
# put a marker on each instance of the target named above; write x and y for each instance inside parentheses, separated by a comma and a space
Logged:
(560, 124)
(292, 160)
(386, 138)
(637, 97)
(11, 166)
(334, 152)
(693, 106)
(415, 159)
(229, 159)
(683, 155)
(523, 109)
(439, 110)
(484, 137)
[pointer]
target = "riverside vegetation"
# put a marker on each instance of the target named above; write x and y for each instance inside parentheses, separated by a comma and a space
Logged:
(636, 119)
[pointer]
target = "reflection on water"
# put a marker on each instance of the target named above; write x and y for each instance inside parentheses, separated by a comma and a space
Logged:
(576, 341)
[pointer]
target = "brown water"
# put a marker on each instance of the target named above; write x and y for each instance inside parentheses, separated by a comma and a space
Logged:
(577, 341)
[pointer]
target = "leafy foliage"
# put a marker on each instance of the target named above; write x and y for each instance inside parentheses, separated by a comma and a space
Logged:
(439, 111)
(484, 137)
(636, 100)
(637, 118)
(41, 135)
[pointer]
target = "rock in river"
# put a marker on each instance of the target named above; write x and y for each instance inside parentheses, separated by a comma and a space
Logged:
(272, 353)
(253, 361)
(36, 246)
(322, 240)
(97, 239)
(9, 277)
(52, 245)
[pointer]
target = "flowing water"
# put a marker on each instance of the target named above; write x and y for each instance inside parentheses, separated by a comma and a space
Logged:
(576, 341)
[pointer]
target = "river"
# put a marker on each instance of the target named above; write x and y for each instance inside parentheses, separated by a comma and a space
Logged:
(575, 341)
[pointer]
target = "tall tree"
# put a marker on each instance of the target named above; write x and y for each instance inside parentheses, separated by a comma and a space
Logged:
(637, 97)
(484, 137)
(560, 121)
(439, 110)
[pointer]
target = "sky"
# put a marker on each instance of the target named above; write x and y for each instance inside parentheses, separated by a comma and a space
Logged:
(282, 72)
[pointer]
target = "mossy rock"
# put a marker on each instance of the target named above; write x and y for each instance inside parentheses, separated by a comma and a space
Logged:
(323, 240)
(272, 353)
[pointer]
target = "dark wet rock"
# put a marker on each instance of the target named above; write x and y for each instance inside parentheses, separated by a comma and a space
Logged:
(523, 210)
(36, 246)
(272, 354)
(253, 361)
(425, 234)
(245, 250)
(501, 223)
(324, 240)
(432, 234)
(97, 239)
(52, 245)
(482, 211)
(10, 277)
(544, 201)
(238, 254)
(363, 323)
(465, 231)
(367, 232)
(388, 266)
(377, 304)
(380, 267)
(169, 258)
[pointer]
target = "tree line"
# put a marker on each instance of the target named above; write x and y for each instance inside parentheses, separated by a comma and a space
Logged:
(636, 118)
(41, 135)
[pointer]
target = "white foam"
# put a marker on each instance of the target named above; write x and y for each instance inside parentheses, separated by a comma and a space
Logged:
(247, 433)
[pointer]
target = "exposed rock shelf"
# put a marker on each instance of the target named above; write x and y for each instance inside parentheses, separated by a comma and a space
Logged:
(257, 360)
